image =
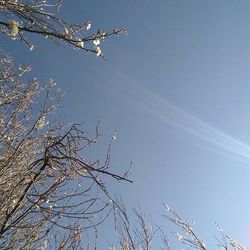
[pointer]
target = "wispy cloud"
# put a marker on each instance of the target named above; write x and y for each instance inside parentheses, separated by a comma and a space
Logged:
(157, 107)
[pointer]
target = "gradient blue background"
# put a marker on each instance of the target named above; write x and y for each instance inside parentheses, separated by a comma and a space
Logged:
(194, 55)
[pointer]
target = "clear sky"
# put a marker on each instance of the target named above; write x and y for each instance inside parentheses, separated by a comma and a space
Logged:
(177, 90)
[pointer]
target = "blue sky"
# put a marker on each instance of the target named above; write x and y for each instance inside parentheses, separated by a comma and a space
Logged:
(177, 90)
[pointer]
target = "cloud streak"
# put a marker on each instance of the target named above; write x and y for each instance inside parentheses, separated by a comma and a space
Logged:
(155, 106)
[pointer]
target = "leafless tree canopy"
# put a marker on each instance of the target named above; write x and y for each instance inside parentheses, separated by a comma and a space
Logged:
(141, 233)
(20, 18)
(49, 191)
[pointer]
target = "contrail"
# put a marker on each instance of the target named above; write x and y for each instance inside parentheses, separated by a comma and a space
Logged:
(142, 98)
(196, 127)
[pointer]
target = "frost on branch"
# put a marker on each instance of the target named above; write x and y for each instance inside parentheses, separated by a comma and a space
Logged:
(21, 18)
(190, 238)
(50, 192)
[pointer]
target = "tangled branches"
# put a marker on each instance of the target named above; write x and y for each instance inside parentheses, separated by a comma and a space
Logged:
(50, 194)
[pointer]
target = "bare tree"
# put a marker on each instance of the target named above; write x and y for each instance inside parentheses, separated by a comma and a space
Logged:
(50, 193)
(52, 196)
(190, 238)
(140, 233)
(19, 18)
(134, 234)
